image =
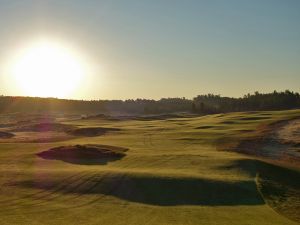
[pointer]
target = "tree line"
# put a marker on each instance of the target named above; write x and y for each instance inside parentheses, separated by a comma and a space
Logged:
(251, 102)
(201, 104)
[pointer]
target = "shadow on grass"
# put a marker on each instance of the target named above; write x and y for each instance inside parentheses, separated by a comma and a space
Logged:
(228, 122)
(256, 118)
(162, 191)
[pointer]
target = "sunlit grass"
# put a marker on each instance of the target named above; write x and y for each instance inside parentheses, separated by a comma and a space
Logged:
(173, 173)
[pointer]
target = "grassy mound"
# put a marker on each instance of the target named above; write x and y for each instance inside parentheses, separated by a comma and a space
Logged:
(6, 134)
(91, 131)
(162, 117)
(84, 154)
(279, 186)
(256, 118)
(100, 117)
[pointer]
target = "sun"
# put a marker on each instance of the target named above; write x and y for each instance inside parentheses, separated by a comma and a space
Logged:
(47, 69)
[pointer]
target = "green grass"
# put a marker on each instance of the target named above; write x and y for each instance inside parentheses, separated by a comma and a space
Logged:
(175, 172)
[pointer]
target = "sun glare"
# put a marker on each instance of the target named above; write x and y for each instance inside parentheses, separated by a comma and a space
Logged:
(47, 69)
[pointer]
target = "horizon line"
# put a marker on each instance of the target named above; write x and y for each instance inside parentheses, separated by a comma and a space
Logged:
(155, 99)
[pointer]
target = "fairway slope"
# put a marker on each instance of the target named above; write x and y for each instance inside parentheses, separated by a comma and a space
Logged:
(191, 170)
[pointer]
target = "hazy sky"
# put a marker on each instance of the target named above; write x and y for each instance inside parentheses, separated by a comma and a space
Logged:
(165, 48)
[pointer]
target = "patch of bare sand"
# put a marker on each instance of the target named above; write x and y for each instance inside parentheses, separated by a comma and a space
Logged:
(279, 141)
(290, 133)
(284, 141)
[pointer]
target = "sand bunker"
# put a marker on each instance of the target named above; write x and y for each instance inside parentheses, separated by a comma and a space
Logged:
(204, 127)
(84, 154)
(92, 131)
(290, 133)
(6, 134)
(43, 127)
(5, 125)
(277, 141)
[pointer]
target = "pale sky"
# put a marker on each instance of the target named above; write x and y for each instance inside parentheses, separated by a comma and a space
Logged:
(162, 48)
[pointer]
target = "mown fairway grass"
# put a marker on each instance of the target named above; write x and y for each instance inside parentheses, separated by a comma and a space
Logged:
(176, 171)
